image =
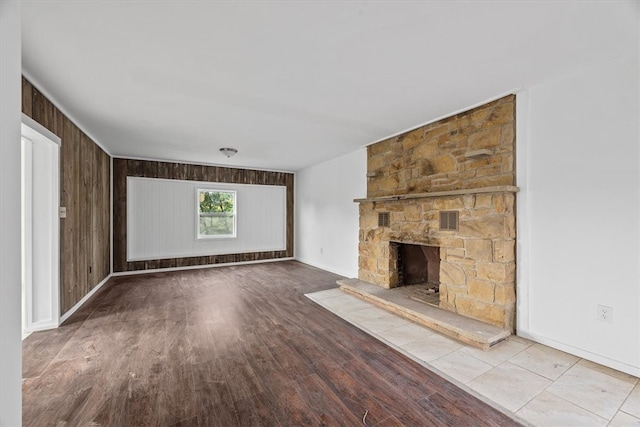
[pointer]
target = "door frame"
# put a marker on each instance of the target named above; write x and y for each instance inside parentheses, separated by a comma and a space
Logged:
(48, 315)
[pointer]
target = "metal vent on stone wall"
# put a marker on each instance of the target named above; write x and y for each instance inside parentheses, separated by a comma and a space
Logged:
(449, 220)
(383, 219)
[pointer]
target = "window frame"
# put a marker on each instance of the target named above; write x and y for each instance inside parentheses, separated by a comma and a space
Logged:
(234, 215)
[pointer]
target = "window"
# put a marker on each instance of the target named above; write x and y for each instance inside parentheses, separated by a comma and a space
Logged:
(216, 213)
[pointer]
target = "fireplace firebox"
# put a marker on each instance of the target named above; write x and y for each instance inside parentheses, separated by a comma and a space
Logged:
(418, 264)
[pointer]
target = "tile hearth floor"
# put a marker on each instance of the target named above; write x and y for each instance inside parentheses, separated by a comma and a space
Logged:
(540, 385)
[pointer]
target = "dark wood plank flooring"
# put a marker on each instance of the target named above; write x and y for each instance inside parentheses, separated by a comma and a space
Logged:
(229, 346)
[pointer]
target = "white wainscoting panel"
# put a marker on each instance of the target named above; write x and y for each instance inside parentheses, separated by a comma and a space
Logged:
(161, 219)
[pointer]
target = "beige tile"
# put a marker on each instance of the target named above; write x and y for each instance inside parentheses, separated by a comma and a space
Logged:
(599, 393)
(329, 293)
(343, 303)
(499, 353)
(405, 334)
(384, 323)
(583, 390)
(624, 420)
(432, 347)
(363, 314)
(461, 366)
(606, 370)
(547, 409)
(545, 361)
(521, 340)
(632, 405)
(509, 385)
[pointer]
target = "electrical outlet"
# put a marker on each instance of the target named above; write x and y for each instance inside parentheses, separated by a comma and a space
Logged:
(605, 313)
(321, 250)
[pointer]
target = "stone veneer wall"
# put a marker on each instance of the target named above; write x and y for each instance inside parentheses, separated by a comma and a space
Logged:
(477, 268)
(432, 157)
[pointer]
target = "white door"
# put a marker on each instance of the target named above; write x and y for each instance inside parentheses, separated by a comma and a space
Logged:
(40, 228)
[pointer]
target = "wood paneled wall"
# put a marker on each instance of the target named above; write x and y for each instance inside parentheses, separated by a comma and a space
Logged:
(122, 168)
(84, 191)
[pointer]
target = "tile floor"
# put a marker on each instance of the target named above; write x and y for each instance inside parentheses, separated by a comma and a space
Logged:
(540, 385)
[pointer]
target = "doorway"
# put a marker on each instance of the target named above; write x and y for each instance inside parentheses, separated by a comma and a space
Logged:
(40, 227)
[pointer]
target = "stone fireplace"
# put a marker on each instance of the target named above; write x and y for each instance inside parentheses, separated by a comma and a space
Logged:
(446, 191)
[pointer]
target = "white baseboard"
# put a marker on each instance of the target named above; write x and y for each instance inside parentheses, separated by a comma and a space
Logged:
(196, 267)
(39, 326)
(84, 299)
(602, 360)
(324, 267)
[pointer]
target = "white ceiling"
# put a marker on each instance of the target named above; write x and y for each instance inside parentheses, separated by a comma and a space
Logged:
(293, 83)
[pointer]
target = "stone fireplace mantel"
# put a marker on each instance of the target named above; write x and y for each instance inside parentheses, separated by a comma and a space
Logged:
(481, 190)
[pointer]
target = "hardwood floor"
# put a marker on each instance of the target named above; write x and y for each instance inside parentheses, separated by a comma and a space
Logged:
(229, 346)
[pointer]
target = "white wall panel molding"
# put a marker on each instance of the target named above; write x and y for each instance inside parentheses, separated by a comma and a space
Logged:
(161, 219)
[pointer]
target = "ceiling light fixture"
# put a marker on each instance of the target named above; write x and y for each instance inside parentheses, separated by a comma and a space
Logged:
(228, 151)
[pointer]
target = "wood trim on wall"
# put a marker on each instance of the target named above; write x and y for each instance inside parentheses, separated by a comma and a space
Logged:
(122, 168)
(85, 192)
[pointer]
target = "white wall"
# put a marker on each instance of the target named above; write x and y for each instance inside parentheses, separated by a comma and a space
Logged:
(10, 295)
(326, 215)
(578, 168)
(161, 219)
